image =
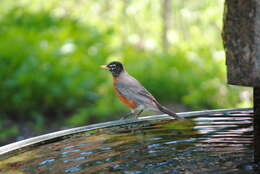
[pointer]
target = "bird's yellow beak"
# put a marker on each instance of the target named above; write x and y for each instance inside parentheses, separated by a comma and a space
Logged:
(103, 67)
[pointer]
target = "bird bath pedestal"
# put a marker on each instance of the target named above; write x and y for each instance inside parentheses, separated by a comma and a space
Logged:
(241, 35)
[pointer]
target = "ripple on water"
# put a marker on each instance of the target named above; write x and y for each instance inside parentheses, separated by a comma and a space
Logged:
(48, 161)
(212, 144)
(73, 169)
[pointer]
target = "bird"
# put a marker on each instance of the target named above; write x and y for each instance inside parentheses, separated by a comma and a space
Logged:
(132, 93)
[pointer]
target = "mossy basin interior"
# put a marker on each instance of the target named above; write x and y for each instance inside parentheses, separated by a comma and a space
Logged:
(216, 143)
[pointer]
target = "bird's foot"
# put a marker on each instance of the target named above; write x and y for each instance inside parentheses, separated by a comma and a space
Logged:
(136, 114)
(126, 116)
(178, 117)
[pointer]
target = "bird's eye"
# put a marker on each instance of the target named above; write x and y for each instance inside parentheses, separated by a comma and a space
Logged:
(112, 66)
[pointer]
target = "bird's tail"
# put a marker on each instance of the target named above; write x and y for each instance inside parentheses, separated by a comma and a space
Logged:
(167, 111)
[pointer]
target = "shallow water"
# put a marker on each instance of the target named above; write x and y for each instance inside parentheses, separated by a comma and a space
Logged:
(218, 144)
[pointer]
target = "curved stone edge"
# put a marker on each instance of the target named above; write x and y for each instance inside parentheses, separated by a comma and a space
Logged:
(7, 149)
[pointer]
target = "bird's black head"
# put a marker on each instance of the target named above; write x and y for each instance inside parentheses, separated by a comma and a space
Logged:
(115, 68)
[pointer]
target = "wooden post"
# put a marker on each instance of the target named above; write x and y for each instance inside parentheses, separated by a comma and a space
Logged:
(257, 124)
(241, 37)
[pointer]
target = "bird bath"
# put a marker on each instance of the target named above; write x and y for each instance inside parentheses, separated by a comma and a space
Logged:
(219, 141)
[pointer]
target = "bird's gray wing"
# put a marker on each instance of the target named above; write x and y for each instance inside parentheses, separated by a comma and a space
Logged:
(133, 90)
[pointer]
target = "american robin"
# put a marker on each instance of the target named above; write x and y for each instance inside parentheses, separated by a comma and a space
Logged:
(132, 93)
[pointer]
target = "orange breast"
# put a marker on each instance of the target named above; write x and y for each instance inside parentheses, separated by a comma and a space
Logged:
(123, 99)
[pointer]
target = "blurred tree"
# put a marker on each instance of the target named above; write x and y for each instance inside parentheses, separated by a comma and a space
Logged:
(166, 20)
(50, 52)
(124, 22)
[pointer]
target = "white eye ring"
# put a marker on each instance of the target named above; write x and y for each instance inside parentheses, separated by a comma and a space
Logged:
(112, 66)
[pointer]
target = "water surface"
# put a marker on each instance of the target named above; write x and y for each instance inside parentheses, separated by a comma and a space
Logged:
(218, 144)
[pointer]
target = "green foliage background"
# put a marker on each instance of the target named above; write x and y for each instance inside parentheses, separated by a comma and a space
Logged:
(50, 52)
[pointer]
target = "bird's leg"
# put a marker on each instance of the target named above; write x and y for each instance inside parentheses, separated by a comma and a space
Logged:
(128, 114)
(137, 114)
(133, 112)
